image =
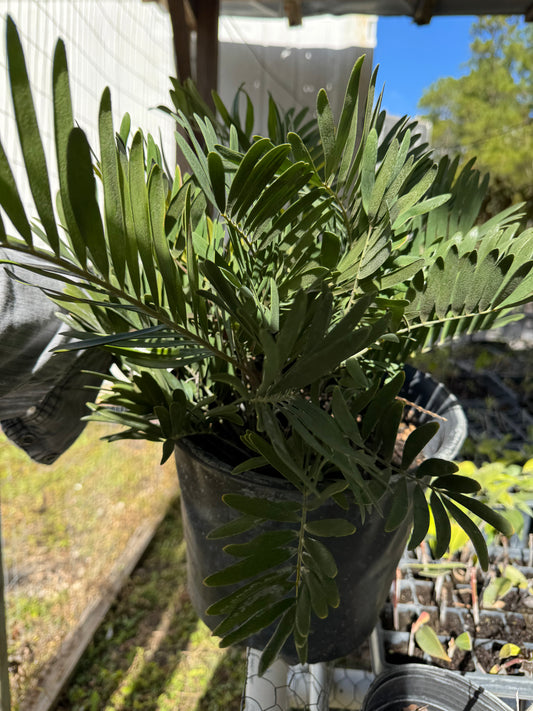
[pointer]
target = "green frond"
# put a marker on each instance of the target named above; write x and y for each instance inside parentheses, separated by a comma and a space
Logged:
(270, 296)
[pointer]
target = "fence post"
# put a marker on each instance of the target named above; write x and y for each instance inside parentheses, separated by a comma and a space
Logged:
(5, 693)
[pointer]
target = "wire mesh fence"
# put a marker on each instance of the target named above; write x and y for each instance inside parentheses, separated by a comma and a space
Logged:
(313, 687)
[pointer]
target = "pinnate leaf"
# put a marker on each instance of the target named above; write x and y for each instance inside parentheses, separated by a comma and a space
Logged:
(330, 528)
(264, 541)
(457, 483)
(400, 506)
(249, 567)
(495, 519)
(471, 530)
(277, 580)
(443, 527)
(278, 639)
(417, 440)
(421, 518)
(258, 622)
(263, 508)
(322, 556)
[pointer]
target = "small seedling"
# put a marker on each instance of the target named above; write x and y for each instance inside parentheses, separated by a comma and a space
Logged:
(498, 587)
(464, 642)
(426, 638)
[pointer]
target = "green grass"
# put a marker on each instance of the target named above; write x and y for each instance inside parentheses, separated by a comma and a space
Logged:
(151, 652)
(64, 526)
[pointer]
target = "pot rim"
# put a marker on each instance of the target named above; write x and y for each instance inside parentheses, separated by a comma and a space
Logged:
(448, 448)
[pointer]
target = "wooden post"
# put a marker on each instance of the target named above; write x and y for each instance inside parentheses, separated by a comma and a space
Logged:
(424, 11)
(293, 10)
(207, 12)
(5, 693)
(200, 16)
(181, 36)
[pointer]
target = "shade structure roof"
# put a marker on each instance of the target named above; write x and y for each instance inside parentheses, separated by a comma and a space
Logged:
(420, 10)
(202, 17)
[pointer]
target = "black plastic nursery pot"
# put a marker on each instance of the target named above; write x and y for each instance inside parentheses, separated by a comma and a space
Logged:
(415, 686)
(366, 560)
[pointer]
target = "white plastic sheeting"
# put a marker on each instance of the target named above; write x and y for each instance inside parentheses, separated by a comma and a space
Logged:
(292, 63)
(123, 44)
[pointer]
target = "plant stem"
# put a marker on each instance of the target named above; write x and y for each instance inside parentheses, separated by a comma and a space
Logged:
(448, 319)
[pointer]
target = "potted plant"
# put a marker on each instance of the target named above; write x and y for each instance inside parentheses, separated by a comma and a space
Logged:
(260, 311)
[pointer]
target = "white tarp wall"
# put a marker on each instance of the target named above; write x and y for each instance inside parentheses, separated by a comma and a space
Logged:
(123, 44)
(292, 63)
(127, 45)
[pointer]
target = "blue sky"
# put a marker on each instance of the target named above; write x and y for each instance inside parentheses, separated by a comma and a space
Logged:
(412, 57)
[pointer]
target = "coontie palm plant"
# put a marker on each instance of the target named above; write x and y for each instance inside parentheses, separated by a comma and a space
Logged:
(261, 308)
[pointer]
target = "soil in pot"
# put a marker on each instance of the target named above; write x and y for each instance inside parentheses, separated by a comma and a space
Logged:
(455, 603)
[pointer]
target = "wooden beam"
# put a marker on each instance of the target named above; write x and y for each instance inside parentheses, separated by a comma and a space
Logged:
(424, 11)
(181, 36)
(189, 14)
(293, 10)
(207, 13)
(190, 17)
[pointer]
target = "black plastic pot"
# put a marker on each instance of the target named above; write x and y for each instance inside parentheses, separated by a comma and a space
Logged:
(429, 688)
(366, 560)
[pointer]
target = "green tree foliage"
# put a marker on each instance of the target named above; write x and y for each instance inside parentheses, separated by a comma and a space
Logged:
(488, 112)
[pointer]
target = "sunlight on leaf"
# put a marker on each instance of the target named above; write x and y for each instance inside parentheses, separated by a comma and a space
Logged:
(427, 640)
(495, 590)
(464, 641)
(509, 650)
